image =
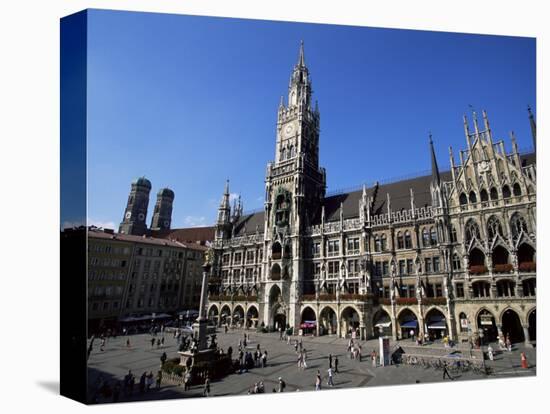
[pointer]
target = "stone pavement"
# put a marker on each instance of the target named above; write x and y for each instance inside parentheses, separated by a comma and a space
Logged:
(117, 359)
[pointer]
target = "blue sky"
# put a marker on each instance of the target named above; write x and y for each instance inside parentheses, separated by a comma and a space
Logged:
(191, 101)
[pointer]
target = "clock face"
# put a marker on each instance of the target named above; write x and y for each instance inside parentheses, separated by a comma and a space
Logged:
(166, 223)
(289, 129)
(141, 216)
(128, 215)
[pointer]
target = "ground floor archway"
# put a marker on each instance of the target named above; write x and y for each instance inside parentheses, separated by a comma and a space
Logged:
(408, 324)
(252, 317)
(511, 326)
(327, 321)
(238, 316)
(486, 324)
(308, 323)
(213, 314)
(532, 320)
(381, 323)
(225, 315)
(349, 322)
(436, 324)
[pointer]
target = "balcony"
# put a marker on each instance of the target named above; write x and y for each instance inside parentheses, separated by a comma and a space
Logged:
(503, 268)
(528, 267)
(478, 270)
(406, 301)
(327, 297)
(436, 300)
(354, 296)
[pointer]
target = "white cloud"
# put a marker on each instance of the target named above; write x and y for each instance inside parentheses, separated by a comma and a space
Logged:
(71, 224)
(194, 221)
(101, 223)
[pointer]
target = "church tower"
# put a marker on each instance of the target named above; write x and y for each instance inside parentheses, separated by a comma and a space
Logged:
(223, 222)
(295, 188)
(135, 214)
(162, 215)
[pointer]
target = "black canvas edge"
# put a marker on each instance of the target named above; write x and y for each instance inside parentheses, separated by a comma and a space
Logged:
(73, 243)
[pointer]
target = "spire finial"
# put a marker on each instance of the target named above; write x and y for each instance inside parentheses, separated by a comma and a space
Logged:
(301, 60)
(435, 169)
(226, 192)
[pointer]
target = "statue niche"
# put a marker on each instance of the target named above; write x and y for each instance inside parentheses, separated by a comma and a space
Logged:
(283, 205)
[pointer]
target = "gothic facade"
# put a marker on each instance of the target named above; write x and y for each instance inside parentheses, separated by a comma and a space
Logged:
(450, 253)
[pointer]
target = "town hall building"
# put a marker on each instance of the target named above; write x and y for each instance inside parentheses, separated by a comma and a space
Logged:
(452, 253)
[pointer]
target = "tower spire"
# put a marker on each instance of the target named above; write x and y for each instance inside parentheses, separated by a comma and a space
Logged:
(533, 127)
(301, 60)
(435, 170)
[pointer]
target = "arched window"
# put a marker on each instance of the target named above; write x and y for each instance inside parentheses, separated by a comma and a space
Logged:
(517, 189)
(400, 241)
(481, 289)
(292, 151)
(383, 243)
(454, 237)
(506, 191)
(377, 244)
(463, 325)
(283, 154)
(506, 288)
(473, 198)
(408, 241)
(518, 224)
(456, 262)
(483, 196)
(493, 227)
(471, 230)
(463, 199)
(494, 193)
(433, 236)
(425, 237)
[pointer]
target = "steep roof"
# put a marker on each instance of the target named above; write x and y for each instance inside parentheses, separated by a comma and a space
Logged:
(99, 234)
(248, 222)
(199, 235)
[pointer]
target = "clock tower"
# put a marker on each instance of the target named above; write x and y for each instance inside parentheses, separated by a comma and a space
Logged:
(295, 188)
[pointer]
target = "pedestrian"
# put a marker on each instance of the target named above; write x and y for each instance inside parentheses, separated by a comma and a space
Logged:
(330, 360)
(304, 355)
(373, 358)
(186, 381)
(225, 328)
(102, 346)
(206, 390)
(508, 343)
(282, 385)
(159, 378)
(264, 359)
(128, 343)
(152, 342)
(336, 363)
(280, 333)
(490, 353)
(330, 381)
(318, 381)
(158, 343)
(142, 381)
(446, 372)
(524, 363)
(162, 341)
(411, 334)
(149, 380)
(163, 358)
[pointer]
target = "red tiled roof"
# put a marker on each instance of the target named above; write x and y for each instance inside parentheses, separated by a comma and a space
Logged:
(198, 235)
(98, 234)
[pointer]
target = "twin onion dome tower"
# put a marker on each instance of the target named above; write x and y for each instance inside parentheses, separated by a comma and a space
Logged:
(135, 214)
